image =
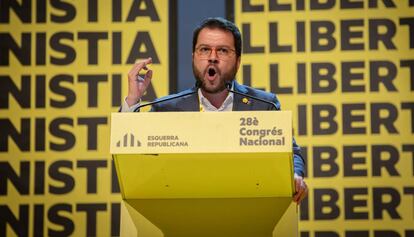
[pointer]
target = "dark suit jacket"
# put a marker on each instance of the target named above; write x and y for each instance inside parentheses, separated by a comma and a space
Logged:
(190, 102)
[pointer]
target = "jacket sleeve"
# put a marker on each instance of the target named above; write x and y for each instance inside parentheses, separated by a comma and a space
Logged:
(298, 161)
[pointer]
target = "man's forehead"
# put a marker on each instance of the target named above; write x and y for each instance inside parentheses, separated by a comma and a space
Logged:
(216, 29)
(209, 32)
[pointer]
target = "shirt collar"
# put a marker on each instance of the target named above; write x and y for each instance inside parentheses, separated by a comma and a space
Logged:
(226, 106)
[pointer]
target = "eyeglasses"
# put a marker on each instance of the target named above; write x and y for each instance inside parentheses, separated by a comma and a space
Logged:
(222, 52)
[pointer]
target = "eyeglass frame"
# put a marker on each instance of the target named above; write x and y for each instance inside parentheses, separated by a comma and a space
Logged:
(215, 48)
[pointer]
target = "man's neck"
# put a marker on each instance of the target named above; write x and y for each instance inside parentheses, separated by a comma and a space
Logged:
(216, 99)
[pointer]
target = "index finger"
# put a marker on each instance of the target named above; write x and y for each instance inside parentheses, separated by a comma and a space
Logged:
(144, 63)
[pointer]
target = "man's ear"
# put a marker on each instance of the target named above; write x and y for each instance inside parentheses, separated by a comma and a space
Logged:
(238, 61)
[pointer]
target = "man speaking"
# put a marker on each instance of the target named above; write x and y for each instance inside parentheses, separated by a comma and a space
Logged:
(216, 60)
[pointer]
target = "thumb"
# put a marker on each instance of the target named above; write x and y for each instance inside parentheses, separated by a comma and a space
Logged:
(148, 77)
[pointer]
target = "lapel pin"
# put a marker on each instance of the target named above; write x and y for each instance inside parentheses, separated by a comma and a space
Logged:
(245, 101)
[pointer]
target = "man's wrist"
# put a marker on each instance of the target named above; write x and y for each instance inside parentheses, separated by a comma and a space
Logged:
(132, 100)
(129, 108)
(298, 175)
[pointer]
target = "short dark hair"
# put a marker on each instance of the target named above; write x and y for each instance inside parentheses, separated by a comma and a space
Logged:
(221, 23)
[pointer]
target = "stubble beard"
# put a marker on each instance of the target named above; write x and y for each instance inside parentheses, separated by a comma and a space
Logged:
(225, 77)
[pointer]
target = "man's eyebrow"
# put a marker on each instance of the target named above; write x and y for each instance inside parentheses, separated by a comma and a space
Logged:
(217, 46)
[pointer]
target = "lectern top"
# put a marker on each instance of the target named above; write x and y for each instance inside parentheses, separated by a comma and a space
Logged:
(195, 132)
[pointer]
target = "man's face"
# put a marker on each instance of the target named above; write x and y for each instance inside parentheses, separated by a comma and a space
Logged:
(214, 59)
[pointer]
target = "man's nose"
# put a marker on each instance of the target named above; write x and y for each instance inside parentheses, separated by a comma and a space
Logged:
(213, 58)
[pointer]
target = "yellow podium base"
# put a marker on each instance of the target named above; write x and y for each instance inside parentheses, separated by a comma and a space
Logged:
(232, 177)
(227, 217)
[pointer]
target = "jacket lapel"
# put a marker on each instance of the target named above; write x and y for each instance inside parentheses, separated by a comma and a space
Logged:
(241, 103)
(192, 103)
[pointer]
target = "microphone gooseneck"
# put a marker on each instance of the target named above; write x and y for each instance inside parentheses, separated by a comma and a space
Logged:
(197, 85)
(228, 86)
(163, 100)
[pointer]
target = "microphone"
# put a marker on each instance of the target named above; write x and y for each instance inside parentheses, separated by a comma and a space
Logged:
(228, 86)
(166, 99)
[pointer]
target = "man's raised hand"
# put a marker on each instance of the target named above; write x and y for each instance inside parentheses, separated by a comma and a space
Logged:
(136, 84)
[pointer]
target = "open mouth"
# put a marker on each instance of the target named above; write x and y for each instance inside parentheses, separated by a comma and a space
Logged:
(211, 72)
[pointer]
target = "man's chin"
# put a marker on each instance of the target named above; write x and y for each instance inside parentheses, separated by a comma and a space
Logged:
(213, 90)
(212, 87)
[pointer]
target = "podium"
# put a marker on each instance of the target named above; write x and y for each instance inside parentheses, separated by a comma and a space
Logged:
(205, 174)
